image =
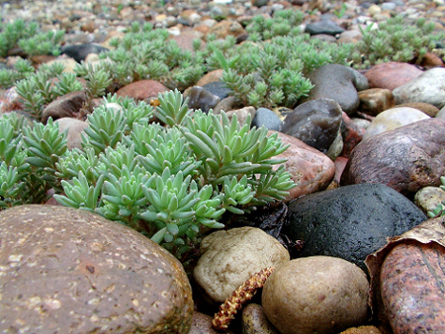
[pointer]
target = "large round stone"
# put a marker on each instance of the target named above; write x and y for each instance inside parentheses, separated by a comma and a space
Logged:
(350, 222)
(64, 270)
(317, 294)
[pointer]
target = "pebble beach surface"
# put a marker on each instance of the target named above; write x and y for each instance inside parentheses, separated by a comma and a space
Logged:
(367, 150)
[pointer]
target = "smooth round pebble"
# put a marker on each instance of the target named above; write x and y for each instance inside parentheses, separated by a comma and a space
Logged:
(316, 294)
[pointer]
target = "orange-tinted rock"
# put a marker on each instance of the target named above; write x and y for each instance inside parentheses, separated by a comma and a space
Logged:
(375, 100)
(142, 90)
(310, 169)
(391, 75)
(431, 60)
(212, 76)
(227, 28)
(413, 288)
(426, 108)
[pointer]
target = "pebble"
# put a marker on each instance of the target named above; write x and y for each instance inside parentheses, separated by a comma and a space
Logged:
(339, 83)
(229, 258)
(74, 129)
(65, 106)
(266, 117)
(429, 197)
(392, 119)
(316, 294)
(391, 75)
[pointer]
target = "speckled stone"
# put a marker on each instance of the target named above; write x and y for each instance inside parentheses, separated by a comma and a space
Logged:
(64, 270)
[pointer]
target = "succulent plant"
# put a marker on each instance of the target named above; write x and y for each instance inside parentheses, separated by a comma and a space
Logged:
(440, 208)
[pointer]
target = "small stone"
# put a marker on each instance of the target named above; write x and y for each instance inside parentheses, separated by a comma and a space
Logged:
(142, 90)
(242, 114)
(67, 105)
(227, 104)
(315, 122)
(80, 51)
(391, 75)
(428, 87)
(266, 117)
(327, 27)
(430, 60)
(75, 129)
(426, 108)
(310, 170)
(362, 330)
(229, 258)
(392, 119)
(202, 324)
(227, 28)
(317, 294)
(201, 98)
(375, 100)
(211, 76)
(254, 321)
(339, 83)
(218, 88)
(429, 197)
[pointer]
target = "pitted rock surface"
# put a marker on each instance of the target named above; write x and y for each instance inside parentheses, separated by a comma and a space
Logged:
(64, 270)
(230, 257)
(407, 158)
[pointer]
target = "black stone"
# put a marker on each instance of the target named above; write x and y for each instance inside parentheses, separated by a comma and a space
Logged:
(80, 51)
(314, 122)
(350, 222)
(327, 27)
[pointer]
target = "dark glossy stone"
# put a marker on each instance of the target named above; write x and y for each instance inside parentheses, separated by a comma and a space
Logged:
(316, 123)
(350, 222)
(327, 27)
(80, 51)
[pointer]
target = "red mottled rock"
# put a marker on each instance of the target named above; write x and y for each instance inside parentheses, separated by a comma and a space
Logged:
(310, 169)
(375, 100)
(225, 28)
(142, 90)
(406, 159)
(412, 283)
(64, 270)
(427, 108)
(430, 60)
(391, 75)
(352, 135)
(67, 105)
(212, 76)
(340, 164)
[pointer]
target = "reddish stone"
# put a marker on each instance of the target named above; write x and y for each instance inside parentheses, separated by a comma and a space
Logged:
(431, 60)
(225, 28)
(391, 75)
(186, 38)
(406, 159)
(352, 135)
(413, 289)
(310, 169)
(142, 90)
(212, 76)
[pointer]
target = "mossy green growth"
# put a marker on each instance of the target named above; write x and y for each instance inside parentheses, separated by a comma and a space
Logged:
(170, 181)
(396, 40)
(440, 208)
